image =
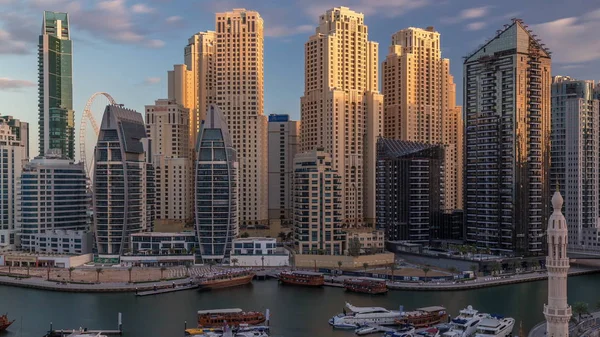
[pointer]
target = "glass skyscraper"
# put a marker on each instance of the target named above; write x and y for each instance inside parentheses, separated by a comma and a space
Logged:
(55, 86)
(216, 209)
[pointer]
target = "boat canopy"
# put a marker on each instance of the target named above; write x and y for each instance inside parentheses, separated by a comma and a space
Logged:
(302, 272)
(219, 311)
(432, 309)
(365, 309)
(489, 323)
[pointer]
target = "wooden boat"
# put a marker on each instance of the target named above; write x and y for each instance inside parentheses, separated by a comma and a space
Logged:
(218, 318)
(366, 285)
(4, 322)
(305, 278)
(424, 317)
(226, 279)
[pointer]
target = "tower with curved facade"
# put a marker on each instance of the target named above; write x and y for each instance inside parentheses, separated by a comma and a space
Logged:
(123, 180)
(216, 190)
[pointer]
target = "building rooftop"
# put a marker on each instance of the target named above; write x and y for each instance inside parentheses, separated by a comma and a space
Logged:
(399, 148)
(155, 234)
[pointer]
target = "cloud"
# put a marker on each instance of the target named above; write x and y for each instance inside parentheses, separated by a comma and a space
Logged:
(468, 14)
(278, 31)
(142, 9)
(9, 44)
(10, 84)
(173, 19)
(387, 8)
(152, 80)
(571, 39)
(477, 25)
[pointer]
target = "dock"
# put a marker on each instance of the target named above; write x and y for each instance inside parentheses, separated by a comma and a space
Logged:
(60, 333)
(167, 290)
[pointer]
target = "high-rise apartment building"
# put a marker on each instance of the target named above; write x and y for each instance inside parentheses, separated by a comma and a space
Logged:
(341, 108)
(216, 189)
(54, 205)
(124, 188)
(410, 193)
(55, 86)
(317, 207)
(167, 125)
(13, 155)
(507, 85)
(575, 157)
(240, 96)
(182, 90)
(420, 102)
(284, 136)
(20, 130)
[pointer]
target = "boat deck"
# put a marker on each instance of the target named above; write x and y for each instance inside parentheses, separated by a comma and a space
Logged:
(57, 333)
(167, 290)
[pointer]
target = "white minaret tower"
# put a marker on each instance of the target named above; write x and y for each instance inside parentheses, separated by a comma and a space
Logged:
(557, 311)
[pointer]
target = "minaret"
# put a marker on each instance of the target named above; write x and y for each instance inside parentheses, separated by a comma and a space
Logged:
(557, 311)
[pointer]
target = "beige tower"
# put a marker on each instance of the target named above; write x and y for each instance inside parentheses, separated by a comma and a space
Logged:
(239, 94)
(341, 108)
(420, 101)
(167, 125)
(557, 311)
(182, 90)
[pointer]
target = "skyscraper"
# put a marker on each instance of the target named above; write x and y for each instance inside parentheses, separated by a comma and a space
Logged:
(576, 158)
(20, 130)
(55, 86)
(284, 137)
(316, 205)
(341, 108)
(420, 102)
(123, 180)
(167, 125)
(216, 189)
(240, 96)
(507, 107)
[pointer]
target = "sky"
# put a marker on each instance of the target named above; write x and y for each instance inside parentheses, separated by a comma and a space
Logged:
(126, 47)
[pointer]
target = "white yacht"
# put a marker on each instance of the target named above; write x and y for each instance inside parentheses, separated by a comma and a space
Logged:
(495, 326)
(359, 316)
(465, 324)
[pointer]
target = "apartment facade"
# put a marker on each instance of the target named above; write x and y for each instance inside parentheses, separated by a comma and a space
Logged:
(420, 102)
(317, 197)
(55, 85)
(341, 109)
(216, 189)
(240, 96)
(54, 204)
(123, 183)
(410, 193)
(167, 125)
(575, 140)
(507, 85)
(284, 136)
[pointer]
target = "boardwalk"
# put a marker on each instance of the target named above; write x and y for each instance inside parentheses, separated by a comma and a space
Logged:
(181, 272)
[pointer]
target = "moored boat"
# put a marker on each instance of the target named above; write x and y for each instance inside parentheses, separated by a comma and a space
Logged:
(299, 277)
(5, 322)
(424, 317)
(495, 326)
(428, 332)
(465, 324)
(234, 317)
(366, 285)
(359, 316)
(226, 279)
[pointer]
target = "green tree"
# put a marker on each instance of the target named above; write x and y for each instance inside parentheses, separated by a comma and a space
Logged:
(71, 273)
(365, 265)
(453, 270)
(535, 264)
(290, 236)
(187, 268)
(282, 236)
(425, 270)
(245, 235)
(580, 308)
(27, 266)
(48, 273)
(598, 305)
(234, 261)
(340, 266)
(162, 270)
(130, 269)
(496, 267)
(474, 268)
(98, 272)
(354, 247)
(9, 268)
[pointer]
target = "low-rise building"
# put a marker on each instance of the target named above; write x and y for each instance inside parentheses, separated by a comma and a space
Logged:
(258, 251)
(65, 242)
(22, 259)
(371, 241)
(156, 243)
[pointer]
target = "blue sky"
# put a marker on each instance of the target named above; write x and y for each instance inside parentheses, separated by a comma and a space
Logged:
(125, 47)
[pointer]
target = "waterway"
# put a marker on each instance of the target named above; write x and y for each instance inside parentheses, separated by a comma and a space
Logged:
(295, 311)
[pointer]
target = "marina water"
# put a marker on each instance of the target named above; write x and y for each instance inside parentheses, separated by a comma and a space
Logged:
(295, 311)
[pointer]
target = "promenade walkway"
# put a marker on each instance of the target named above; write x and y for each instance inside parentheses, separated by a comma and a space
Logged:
(588, 327)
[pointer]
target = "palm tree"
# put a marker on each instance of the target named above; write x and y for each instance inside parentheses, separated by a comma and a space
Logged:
(474, 268)
(453, 270)
(98, 272)
(496, 267)
(580, 308)
(235, 261)
(162, 270)
(535, 264)
(282, 236)
(393, 269)
(9, 267)
(340, 266)
(425, 270)
(130, 269)
(48, 273)
(27, 266)
(187, 269)
(71, 273)
(365, 265)
(211, 263)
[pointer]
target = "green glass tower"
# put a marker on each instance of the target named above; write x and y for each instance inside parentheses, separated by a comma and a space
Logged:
(55, 86)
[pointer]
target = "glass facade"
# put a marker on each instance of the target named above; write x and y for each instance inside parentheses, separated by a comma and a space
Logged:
(216, 190)
(55, 86)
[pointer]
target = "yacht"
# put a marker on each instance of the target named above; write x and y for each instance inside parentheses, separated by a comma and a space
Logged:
(465, 324)
(495, 326)
(359, 316)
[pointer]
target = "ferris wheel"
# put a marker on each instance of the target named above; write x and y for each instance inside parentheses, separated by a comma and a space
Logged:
(89, 116)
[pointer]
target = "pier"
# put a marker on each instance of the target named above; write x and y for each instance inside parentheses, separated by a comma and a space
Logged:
(167, 290)
(65, 333)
